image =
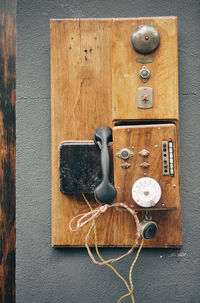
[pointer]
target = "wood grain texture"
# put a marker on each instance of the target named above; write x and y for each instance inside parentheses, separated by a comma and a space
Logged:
(149, 137)
(81, 102)
(164, 71)
(84, 55)
(7, 155)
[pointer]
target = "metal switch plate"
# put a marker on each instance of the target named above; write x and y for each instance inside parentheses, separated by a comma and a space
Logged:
(145, 97)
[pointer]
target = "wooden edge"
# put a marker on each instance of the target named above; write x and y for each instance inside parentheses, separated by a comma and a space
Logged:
(8, 39)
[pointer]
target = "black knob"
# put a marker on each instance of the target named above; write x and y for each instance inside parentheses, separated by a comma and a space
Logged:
(148, 229)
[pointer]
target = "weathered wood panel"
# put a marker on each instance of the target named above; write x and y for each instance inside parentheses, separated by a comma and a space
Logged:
(164, 70)
(81, 102)
(7, 154)
(169, 232)
(84, 57)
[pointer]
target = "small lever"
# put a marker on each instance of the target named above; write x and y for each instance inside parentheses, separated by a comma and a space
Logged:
(105, 191)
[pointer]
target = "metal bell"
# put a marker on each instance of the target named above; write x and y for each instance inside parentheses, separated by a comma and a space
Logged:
(145, 39)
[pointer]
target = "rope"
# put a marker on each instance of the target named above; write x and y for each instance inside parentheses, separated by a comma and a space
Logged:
(102, 259)
(93, 215)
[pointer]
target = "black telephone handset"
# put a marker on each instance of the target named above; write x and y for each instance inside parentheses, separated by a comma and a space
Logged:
(105, 192)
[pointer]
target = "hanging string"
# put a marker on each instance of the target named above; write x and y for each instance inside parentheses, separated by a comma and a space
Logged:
(93, 215)
(102, 259)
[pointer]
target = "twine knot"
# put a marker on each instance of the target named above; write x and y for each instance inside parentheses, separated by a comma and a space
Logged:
(92, 215)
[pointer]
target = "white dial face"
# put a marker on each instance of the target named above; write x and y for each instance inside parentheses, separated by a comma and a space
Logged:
(146, 192)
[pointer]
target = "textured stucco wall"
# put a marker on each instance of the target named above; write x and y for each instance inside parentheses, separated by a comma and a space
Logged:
(67, 275)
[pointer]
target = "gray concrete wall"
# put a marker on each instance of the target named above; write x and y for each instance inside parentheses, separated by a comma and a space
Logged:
(67, 275)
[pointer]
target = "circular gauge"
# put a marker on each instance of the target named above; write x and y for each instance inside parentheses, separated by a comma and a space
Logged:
(146, 192)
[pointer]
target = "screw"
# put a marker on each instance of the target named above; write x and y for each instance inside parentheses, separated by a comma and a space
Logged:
(163, 205)
(128, 129)
(117, 148)
(145, 174)
(147, 38)
(132, 147)
(156, 146)
(174, 186)
(132, 206)
(118, 187)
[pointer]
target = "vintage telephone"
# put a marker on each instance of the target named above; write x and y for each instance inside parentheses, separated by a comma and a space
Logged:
(115, 127)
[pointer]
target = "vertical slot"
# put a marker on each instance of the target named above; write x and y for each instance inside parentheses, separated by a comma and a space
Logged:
(171, 158)
(165, 158)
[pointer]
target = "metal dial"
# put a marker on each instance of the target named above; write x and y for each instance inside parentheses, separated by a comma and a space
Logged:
(146, 192)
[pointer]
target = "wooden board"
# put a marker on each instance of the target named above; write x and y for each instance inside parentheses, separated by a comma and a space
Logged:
(149, 137)
(82, 90)
(7, 155)
(81, 102)
(164, 71)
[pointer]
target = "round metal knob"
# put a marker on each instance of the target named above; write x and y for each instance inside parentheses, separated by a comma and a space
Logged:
(148, 229)
(125, 154)
(145, 39)
(146, 192)
(144, 74)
